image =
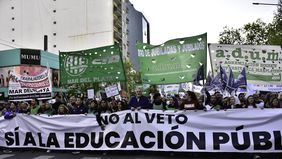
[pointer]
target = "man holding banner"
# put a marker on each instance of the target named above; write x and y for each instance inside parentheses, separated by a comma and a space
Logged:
(139, 101)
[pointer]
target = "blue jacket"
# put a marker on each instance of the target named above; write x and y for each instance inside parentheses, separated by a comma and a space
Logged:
(79, 110)
(143, 102)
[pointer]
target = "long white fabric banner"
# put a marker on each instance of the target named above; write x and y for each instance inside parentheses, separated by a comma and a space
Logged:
(241, 130)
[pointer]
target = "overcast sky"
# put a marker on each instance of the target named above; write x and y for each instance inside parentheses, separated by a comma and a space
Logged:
(170, 19)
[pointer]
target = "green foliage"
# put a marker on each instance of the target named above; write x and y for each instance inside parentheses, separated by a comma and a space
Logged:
(231, 36)
(255, 33)
(133, 78)
(275, 28)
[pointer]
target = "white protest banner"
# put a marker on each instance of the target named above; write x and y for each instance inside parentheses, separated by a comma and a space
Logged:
(27, 82)
(263, 62)
(184, 86)
(111, 91)
(171, 88)
(267, 87)
(237, 130)
(90, 94)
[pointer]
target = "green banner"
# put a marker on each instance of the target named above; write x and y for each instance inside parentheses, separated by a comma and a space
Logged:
(175, 61)
(102, 64)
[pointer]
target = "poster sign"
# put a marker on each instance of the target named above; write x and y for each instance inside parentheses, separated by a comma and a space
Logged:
(171, 88)
(239, 131)
(90, 94)
(28, 82)
(263, 62)
(112, 91)
(102, 64)
(30, 56)
(175, 61)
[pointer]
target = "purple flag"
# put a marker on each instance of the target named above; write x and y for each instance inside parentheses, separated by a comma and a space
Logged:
(241, 81)
(230, 86)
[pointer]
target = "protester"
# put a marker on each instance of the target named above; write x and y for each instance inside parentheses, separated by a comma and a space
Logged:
(171, 103)
(42, 108)
(242, 100)
(213, 103)
(226, 103)
(274, 103)
(24, 108)
(139, 101)
(34, 107)
(79, 107)
(201, 103)
(63, 110)
(250, 102)
(113, 106)
(158, 103)
(57, 103)
(122, 105)
(190, 102)
(233, 104)
(49, 110)
(259, 102)
(93, 107)
(104, 107)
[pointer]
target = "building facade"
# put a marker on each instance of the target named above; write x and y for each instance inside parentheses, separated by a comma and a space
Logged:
(71, 25)
(136, 28)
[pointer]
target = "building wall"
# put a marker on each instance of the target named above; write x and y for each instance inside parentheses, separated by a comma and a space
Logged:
(69, 24)
(136, 29)
(12, 58)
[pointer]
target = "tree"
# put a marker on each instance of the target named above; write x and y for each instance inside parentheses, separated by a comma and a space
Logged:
(255, 33)
(231, 36)
(275, 28)
(251, 33)
(133, 77)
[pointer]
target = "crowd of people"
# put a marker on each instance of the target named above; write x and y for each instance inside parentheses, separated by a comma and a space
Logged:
(190, 101)
(63, 105)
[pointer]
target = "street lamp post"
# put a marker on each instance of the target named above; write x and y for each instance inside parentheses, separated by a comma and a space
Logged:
(269, 4)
